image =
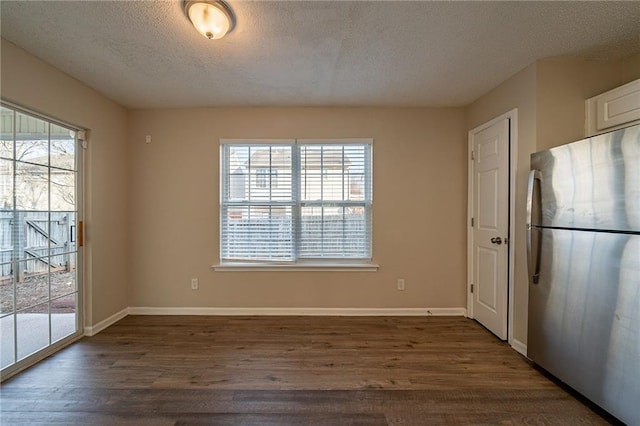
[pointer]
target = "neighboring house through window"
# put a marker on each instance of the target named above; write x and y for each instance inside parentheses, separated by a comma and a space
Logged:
(266, 178)
(296, 201)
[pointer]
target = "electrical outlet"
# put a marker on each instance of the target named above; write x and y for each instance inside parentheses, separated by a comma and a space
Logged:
(401, 284)
(194, 283)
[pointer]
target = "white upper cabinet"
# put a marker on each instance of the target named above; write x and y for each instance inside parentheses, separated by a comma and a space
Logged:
(611, 110)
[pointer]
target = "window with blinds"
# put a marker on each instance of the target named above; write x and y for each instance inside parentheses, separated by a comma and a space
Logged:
(296, 200)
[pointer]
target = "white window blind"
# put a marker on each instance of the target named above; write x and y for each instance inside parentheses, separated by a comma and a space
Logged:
(292, 201)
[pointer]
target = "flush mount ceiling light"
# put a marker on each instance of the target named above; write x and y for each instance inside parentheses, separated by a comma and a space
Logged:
(212, 18)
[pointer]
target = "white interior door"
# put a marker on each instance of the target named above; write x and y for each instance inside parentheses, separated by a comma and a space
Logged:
(490, 214)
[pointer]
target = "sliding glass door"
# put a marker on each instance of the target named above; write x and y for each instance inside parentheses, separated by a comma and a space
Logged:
(40, 261)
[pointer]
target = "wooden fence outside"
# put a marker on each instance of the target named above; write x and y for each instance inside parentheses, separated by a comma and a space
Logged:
(34, 243)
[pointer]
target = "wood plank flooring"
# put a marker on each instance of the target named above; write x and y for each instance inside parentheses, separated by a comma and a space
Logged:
(179, 370)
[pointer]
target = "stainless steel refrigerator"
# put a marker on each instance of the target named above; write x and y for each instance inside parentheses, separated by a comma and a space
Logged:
(583, 247)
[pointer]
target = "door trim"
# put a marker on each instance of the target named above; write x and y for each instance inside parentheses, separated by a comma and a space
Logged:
(512, 116)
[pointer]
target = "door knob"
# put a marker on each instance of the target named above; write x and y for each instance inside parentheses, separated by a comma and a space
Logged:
(496, 240)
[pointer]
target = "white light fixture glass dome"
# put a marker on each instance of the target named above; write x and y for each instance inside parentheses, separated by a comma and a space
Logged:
(212, 18)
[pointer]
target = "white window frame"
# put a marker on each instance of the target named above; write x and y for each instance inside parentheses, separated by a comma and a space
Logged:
(333, 264)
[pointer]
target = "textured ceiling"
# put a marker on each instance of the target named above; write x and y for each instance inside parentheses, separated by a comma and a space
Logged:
(145, 54)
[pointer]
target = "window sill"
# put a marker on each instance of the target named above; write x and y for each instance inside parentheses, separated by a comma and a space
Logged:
(305, 267)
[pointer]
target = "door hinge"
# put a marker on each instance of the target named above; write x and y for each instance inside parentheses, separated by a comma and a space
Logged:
(473, 222)
(473, 155)
(471, 288)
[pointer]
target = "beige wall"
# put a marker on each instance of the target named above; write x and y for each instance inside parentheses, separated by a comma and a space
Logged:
(518, 92)
(630, 69)
(563, 87)
(418, 214)
(31, 83)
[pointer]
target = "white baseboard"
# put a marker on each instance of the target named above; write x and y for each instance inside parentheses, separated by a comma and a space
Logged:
(145, 310)
(519, 346)
(93, 330)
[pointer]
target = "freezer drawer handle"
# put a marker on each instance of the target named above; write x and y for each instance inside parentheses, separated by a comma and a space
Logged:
(533, 266)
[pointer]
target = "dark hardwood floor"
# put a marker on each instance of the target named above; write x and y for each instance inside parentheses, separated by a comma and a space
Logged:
(167, 370)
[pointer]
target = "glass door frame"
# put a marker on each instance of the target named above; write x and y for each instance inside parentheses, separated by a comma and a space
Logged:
(52, 347)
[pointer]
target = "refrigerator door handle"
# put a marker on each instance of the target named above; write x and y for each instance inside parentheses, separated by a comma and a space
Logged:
(532, 266)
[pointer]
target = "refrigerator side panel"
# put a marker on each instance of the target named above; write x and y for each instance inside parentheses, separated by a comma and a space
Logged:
(584, 316)
(593, 183)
